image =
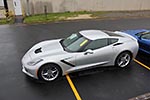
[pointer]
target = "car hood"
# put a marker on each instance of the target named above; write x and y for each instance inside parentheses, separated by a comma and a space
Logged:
(46, 48)
(133, 32)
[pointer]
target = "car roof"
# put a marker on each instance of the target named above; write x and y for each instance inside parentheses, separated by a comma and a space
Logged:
(94, 34)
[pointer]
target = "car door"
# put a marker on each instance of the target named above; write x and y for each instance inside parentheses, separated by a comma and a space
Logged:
(144, 42)
(98, 52)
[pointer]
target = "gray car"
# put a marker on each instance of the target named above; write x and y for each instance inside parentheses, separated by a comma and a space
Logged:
(50, 59)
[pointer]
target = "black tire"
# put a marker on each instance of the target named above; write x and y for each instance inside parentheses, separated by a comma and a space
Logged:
(49, 72)
(123, 59)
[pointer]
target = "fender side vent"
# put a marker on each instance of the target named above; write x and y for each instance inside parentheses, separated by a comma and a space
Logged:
(67, 63)
(117, 44)
(38, 50)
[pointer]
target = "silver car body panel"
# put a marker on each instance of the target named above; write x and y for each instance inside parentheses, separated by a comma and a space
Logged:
(51, 51)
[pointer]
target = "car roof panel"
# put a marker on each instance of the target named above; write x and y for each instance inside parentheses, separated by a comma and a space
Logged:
(94, 34)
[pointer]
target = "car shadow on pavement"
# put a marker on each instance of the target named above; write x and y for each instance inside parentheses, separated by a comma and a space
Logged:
(143, 58)
(33, 81)
(96, 70)
(82, 73)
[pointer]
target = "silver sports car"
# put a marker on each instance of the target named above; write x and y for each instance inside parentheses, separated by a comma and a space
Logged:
(50, 59)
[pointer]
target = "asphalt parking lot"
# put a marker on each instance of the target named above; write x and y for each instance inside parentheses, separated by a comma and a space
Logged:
(97, 84)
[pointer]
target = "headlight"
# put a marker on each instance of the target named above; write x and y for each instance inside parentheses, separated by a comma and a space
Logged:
(32, 63)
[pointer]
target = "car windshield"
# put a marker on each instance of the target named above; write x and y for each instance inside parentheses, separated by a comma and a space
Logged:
(140, 33)
(74, 42)
(146, 36)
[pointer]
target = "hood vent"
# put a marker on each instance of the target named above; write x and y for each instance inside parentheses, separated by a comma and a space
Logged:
(38, 50)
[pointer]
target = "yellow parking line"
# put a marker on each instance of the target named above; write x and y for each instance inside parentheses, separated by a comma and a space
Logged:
(142, 64)
(73, 88)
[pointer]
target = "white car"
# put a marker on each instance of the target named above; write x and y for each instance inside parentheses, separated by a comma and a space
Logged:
(50, 59)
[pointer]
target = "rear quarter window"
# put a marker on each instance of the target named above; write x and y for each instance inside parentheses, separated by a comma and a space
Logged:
(112, 40)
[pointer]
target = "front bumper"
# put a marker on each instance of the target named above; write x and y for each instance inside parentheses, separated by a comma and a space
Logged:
(30, 72)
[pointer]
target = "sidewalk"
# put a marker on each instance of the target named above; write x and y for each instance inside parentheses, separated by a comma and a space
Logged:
(83, 15)
(56, 17)
(125, 14)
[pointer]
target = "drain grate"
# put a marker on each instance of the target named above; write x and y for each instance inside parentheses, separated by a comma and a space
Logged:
(142, 97)
(19, 19)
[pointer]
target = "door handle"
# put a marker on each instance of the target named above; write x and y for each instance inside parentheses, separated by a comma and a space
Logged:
(89, 51)
(86, 53)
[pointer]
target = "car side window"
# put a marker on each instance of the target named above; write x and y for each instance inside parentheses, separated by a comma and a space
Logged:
(112, 40)
(146, 36)
(97, 44)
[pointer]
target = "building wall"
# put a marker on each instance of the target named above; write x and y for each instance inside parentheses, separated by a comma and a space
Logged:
(37, 6)
(10, 7)
(2, 10)
(1, 3)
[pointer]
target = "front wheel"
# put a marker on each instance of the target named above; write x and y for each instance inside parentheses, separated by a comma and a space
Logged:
(123, 60)
(49, 72)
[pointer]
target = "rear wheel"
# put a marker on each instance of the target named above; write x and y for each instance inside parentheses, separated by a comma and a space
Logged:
(123, 60)
(49, 72)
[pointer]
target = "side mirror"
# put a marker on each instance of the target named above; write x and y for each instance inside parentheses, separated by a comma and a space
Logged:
(89, 51)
